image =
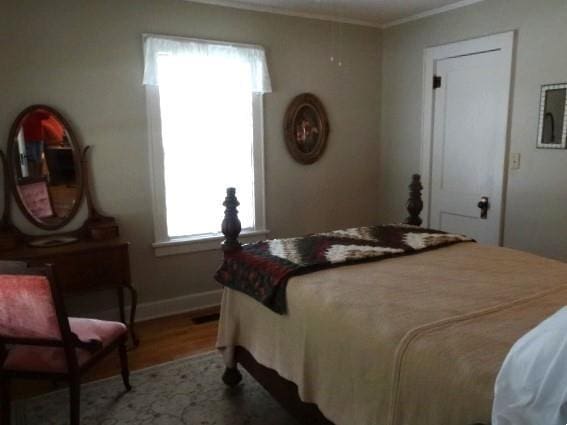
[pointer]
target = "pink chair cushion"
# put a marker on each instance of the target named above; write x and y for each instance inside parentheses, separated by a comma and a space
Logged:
(51, 359)
(26, 308)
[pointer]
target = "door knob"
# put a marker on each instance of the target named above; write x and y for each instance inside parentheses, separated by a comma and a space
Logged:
(483, 204)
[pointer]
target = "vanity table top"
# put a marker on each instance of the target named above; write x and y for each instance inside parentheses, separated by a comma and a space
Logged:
(24, 251)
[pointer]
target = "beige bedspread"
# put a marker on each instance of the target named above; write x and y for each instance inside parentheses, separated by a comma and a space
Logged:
(416, 340)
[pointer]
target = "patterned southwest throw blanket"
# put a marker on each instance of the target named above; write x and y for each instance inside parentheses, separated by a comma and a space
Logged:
(262, 269)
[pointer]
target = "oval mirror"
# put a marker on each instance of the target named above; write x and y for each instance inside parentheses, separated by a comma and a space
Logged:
(45, 167)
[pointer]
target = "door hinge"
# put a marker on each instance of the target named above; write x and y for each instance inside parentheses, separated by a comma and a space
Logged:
(436, 82)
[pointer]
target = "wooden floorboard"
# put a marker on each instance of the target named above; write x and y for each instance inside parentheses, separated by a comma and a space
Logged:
(161, 340)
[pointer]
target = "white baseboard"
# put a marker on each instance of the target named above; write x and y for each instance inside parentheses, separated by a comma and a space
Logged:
(168, 307)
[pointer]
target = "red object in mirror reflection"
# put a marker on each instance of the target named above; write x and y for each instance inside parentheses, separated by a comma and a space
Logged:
(40, 125)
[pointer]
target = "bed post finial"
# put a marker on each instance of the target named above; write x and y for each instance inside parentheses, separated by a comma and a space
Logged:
(231, 224)
(415, 203)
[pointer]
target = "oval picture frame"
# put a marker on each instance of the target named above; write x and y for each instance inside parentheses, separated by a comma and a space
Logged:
(306, 128)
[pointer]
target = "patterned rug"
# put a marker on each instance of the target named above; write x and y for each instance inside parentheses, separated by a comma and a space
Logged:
(183, 392)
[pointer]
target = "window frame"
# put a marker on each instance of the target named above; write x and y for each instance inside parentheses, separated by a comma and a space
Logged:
(165, 245)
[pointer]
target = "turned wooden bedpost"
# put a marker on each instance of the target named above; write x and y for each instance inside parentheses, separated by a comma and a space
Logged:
(231, 376)
(231, 224)
(415, 203)
(231, 228)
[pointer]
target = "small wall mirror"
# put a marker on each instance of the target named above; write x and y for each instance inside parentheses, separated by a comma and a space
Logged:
(553, 117)
(45, 167)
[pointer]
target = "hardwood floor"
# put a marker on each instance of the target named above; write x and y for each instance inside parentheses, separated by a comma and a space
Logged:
(161, 340)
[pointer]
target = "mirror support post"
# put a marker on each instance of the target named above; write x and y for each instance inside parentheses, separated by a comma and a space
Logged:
(9, 235)
(97, 226)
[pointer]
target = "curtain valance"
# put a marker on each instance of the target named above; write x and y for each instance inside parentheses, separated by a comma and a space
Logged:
(186, 48)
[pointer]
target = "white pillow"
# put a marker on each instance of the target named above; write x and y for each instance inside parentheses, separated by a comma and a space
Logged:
(531, 387)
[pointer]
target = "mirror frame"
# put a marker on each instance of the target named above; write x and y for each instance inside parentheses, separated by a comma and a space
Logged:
(542, 117)
(12, 171)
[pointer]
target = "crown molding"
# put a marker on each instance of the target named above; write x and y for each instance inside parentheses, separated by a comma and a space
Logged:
(342, 20)
(428, 13)
(287, 12)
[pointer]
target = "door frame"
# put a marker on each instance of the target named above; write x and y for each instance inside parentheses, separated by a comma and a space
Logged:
(505, 43)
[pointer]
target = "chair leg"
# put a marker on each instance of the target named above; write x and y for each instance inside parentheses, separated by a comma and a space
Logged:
(5, 413)
(75, 399)
(124, 365)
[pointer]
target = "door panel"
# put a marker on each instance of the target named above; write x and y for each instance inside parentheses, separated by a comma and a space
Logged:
(469, 143)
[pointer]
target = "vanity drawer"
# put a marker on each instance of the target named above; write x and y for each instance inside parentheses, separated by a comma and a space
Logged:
(92, 270)
(83, 266)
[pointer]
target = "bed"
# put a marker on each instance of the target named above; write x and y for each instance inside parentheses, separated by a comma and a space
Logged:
(409, 340)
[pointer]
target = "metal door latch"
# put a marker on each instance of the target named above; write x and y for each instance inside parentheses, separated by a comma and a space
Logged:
(483, 205)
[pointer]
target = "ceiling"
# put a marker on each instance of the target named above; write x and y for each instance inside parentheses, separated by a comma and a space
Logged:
(377, 13)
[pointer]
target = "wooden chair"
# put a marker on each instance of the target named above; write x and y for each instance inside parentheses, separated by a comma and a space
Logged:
(39, 340)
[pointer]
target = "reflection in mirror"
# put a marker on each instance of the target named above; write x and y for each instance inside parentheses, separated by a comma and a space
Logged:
(45, 167)
(552, 126)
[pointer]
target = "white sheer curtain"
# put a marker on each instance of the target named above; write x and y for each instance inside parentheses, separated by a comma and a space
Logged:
(206, 106)
(254, 56)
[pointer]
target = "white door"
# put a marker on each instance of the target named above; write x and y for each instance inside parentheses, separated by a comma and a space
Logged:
(469, 134)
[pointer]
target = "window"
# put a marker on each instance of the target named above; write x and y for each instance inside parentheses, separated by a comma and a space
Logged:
(205, 120)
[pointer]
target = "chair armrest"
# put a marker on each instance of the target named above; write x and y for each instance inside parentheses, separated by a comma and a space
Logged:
(91, 345)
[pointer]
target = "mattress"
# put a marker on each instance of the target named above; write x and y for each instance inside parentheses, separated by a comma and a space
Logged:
(410, 340)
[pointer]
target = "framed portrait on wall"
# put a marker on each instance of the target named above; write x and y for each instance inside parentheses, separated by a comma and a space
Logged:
(306, 128)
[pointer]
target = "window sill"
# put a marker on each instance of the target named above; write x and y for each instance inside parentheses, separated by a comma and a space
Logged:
(202, 243)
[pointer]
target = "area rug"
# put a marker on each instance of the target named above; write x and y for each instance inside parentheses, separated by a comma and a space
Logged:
(183, 392)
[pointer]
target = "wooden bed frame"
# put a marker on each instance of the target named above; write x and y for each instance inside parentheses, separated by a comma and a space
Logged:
(281, 389)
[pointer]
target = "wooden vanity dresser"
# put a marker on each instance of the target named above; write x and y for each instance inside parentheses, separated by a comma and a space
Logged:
(49, 189)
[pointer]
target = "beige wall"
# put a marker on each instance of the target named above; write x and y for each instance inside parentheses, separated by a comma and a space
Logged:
(84, 57)
(536, 213)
